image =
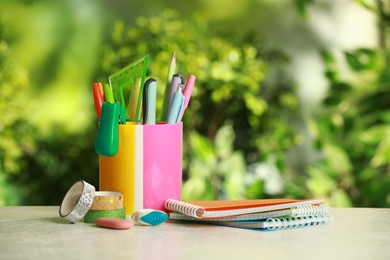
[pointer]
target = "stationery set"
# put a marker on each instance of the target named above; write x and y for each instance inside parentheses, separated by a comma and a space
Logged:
(140, 164)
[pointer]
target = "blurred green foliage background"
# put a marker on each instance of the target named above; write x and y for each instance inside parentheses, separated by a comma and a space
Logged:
(252, 131)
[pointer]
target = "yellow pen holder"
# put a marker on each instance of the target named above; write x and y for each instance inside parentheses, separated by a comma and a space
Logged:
(117, 173)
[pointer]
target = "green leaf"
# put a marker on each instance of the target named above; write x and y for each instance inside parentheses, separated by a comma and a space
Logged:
(202, 147)
(233, 169)
(338, 159)
(302, 7)
(224, 141)
(375, 134)
(332, 100)
(382, 153)
(193, 189)
(255, 189)
(327, 57)
(361, 59)
(340, 198)
(331, 75)
(320, 182)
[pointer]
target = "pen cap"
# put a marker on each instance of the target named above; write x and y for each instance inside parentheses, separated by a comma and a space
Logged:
(106, 142)
(108, 94)
(149, 101)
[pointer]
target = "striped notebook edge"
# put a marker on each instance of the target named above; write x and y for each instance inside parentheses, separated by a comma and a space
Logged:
(298, 211)
(275, 223)
(251, 216)
(200, 212)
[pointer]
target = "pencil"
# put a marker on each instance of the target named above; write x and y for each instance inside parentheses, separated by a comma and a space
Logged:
(171, 71)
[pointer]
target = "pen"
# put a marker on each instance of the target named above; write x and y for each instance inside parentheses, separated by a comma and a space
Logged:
(176, 80)
(176, 108)
(149, 102)
(100, 88)
(108, 94)
(98, 97)
(187, 93)
(171, 71)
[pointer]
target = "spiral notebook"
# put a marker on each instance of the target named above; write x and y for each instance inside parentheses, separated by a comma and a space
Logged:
(224, 208)
(274, 224)
(298, 211)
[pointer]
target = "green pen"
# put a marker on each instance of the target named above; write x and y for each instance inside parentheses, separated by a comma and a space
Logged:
(108, 94)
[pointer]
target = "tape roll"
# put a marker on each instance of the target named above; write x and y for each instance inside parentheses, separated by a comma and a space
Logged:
(77, 201)
(107, 200)
(93, 215)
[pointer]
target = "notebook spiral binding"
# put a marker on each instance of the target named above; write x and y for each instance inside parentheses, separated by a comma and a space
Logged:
(309, 210)
(275, 224)
(185, 208)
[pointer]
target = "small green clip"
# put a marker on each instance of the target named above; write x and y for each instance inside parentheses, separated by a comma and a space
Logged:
(106, 143)
(123, 115)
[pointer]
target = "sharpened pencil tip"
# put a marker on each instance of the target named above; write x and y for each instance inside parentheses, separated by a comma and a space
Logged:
(173, 61)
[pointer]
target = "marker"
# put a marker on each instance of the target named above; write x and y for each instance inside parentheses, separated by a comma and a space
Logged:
(149, 102)
(176, 108)
(187, 92)
(98, 97)
(171, 71)
(108, 94)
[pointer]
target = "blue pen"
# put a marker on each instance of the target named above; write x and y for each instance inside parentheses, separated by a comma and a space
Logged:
(176, 106)
(149, 102)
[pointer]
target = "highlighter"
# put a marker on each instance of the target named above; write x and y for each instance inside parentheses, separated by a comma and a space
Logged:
(107, 143)
(108, 94)
(98, 97)
(187, 93)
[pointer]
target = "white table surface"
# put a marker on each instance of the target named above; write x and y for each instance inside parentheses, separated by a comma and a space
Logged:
(39, 233)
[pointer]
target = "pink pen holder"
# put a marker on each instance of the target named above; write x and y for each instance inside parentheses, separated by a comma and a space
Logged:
(148, 166)
(162, 164)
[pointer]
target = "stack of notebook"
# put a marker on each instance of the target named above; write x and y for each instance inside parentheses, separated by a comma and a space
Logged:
(265, 214)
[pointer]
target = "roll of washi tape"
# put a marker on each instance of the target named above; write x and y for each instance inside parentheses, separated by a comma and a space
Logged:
(93, 215)
(77, 201)
(107, 200)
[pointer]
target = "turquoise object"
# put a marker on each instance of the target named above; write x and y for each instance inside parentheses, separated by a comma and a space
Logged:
(149, 217)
